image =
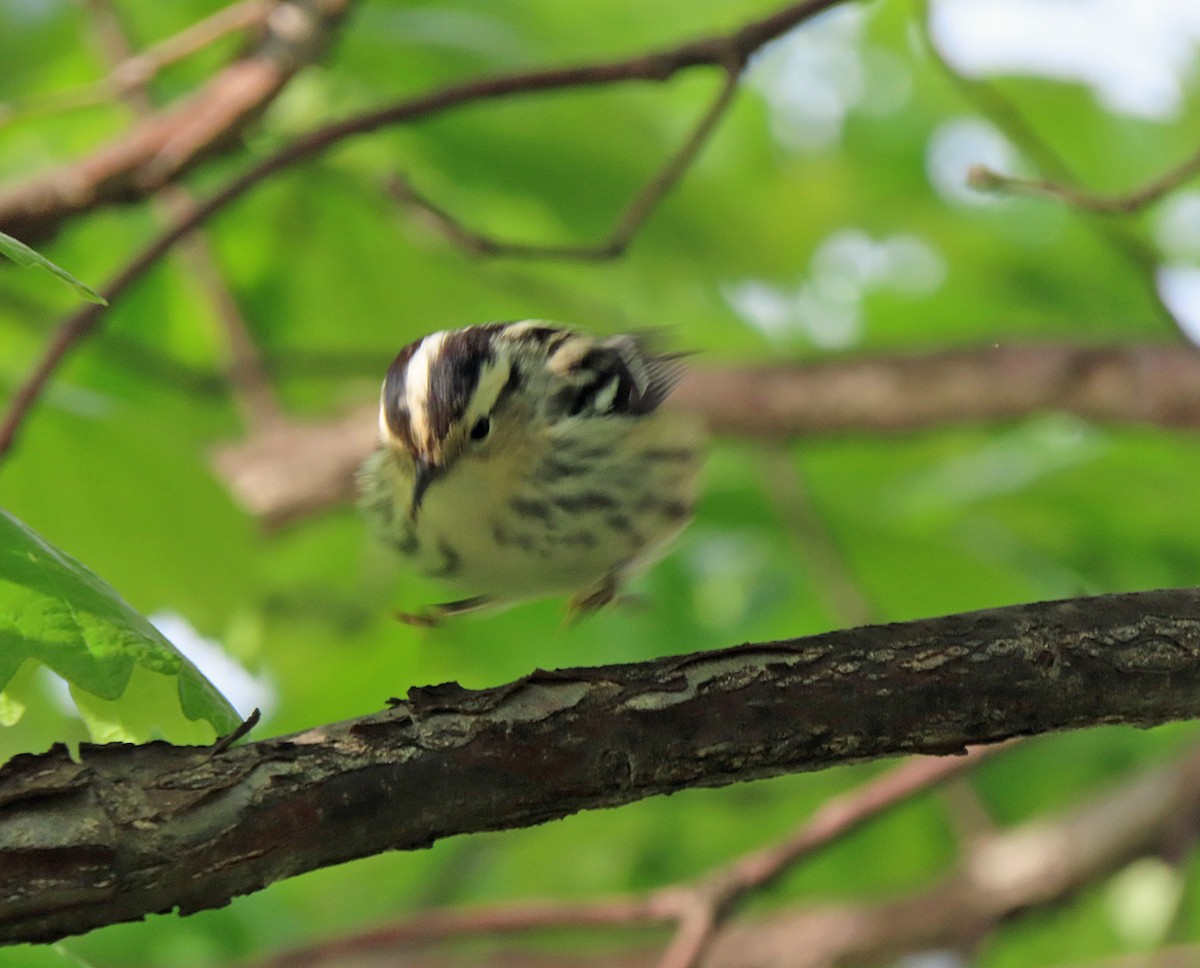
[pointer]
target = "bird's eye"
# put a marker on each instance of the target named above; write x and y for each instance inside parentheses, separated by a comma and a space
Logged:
(483, 427)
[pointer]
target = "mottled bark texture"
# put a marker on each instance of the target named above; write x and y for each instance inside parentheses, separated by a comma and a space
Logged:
(133, 830)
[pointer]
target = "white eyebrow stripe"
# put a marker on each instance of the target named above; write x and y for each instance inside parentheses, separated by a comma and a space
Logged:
(416, 384)
(385, 432)
(492, 377)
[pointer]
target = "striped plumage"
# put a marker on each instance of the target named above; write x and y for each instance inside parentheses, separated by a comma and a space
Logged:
(519, 460)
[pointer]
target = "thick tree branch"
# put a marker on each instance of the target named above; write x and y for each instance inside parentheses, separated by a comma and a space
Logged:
(297, 469)
(679, 903)
(1000, 874)
(133, 830)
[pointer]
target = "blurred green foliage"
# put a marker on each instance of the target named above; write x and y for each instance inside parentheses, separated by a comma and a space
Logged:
(333, 277)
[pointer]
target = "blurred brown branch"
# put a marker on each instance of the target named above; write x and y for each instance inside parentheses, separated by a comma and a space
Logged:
(705, 905)
(249, 381)
(165, 143)
(1030, 867)
(298, 468)
(133, 71)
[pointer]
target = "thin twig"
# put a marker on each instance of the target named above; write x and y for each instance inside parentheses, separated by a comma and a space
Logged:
(239, 732)
(132, 72)
(627, 226)
(980, 176)
(656, 66)
(717, 894)
(695, 934)
(495, 920)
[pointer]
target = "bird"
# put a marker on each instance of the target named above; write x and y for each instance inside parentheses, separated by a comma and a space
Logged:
(527, 459)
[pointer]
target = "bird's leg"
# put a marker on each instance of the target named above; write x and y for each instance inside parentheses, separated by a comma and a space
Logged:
(434, 614)
(593, 597)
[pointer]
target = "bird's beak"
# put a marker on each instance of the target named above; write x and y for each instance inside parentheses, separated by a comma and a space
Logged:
(425, 475)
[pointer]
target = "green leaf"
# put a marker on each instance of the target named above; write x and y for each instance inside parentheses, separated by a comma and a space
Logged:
(56, 612)
(17, 695)
(25, 257)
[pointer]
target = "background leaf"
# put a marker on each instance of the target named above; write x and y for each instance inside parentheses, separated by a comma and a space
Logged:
(23, 255)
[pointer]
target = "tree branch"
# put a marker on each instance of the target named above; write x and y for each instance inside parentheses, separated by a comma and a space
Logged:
(297, 469)
(1029, 867)
(165, 144)
(132, 830)
(1000, 874)
(707, 904)
(626, 227)
(249, 381)
(134, 71)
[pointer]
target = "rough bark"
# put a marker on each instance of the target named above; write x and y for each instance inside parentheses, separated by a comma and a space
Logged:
(128, 831)
(1001, 874)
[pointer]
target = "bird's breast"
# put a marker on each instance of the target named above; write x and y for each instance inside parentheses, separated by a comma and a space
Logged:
(552, 518)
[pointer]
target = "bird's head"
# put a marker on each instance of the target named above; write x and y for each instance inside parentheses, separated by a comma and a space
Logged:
(440, 398)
